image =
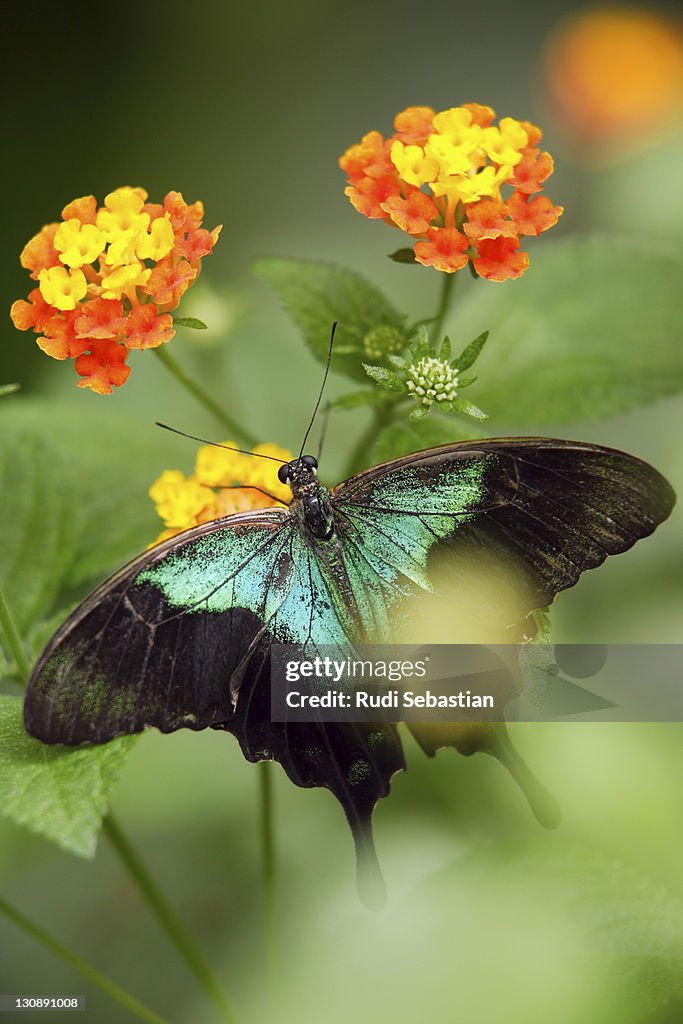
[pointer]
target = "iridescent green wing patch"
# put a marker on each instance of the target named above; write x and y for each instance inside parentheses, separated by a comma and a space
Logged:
(396, 518)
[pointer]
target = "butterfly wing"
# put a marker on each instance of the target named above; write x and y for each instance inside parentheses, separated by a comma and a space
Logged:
(159, 643)
(355, 761)
(550, 508)
(534, 512)
(181, 638)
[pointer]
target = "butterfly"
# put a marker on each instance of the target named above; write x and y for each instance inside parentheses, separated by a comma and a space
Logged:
(181, 636)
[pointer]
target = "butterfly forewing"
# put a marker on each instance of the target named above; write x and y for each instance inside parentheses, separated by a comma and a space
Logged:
(550, 509)
(159, 642)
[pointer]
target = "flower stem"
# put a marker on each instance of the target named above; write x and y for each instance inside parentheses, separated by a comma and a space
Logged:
(95, 977)
(447, 294)
(269, 868)
(237, 431)
(167, 918)
(383, 415)
(14, 643)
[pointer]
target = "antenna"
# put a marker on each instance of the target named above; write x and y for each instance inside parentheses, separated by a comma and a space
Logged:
(322, 388)
(215, 444)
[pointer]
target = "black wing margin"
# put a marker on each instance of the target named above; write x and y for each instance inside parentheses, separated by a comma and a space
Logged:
(549, 507)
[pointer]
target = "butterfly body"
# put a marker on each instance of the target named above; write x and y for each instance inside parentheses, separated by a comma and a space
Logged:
(181, 637)
(311, 502)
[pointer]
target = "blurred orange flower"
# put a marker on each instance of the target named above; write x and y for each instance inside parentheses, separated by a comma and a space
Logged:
(440, 178)
(615, 75)
(108, 278)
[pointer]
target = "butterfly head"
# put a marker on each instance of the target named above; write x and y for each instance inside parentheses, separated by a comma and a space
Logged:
(311, 500)
(299, 473)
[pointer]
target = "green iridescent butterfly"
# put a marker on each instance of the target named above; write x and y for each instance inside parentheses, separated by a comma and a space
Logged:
(181, 636)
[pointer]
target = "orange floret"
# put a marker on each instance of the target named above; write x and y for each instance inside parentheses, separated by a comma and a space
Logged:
(414, 213)
(500, 259)
(100, 318)
(40, 253)
(169, 281)
(488, 219)
(104, 367)
(414, 125)
(532, 216)
(444, 250)
(146, 329)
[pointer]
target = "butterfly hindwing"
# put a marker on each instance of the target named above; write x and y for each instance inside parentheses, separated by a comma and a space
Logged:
(503, 525)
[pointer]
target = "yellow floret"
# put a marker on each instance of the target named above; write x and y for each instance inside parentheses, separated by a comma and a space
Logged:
(123, 280)
(61, 287)
(78, 243)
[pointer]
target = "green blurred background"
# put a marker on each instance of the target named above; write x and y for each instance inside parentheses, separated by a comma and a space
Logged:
(490, 919)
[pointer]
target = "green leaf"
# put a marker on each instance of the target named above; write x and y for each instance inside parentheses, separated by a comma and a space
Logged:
(412, 436)
(403, 256)
(33, 644)
(40, 524)
(355, 399)
(8, 389)
(419, 412)
(94, 474)
(419, 344)
(593, 329)
(189, 321)
(59, 792)
(386, 379)
(316, 294)
(470, 354)
(445, 350)
(469, 409)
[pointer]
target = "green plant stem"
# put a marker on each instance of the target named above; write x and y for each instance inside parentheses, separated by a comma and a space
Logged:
(448, 286)
(269, 869)
(167, 917)
(89, 972)
(382, 416)
(12, 637)
(237, 431)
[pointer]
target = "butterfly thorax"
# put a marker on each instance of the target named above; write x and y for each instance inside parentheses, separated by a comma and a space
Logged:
(311, 500)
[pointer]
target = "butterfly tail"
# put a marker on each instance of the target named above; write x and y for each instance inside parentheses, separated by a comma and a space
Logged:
(370, 883)
(542, 803)
(493, 739)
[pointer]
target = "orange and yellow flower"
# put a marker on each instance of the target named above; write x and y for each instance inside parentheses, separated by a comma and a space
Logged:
(223, 482)
(108, 279)
(441, 178)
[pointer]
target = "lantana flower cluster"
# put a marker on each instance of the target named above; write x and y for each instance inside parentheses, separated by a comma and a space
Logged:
(223, 482)
(107, 278)
(461, 186)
